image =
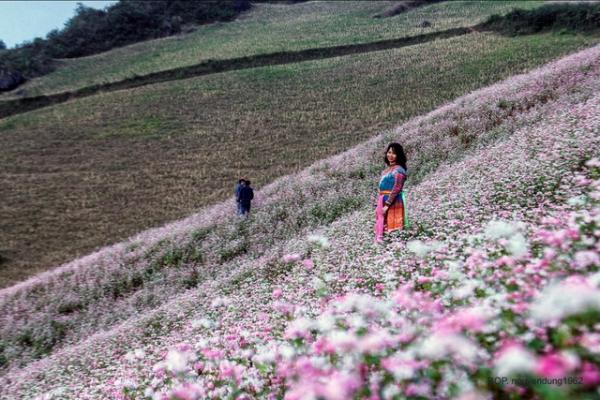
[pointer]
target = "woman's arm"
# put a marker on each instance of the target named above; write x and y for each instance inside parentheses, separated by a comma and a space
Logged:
(399, 179)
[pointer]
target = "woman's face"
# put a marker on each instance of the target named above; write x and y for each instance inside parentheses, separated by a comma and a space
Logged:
(391, 156)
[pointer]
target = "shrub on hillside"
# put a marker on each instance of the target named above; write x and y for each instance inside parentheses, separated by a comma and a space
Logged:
(583, 17)
(92, 31)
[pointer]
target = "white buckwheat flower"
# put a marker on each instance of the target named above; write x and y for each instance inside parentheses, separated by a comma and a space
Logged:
(561, 300)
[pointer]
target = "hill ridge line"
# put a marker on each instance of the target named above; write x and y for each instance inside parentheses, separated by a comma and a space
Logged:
(208, 67)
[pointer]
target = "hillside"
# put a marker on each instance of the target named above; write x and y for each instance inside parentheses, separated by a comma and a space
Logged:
(268, 28)
(91, 31)
(504, 197)
(76, 188)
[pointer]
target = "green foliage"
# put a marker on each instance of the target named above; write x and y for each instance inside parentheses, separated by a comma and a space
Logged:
(153, 326)
(192, 279)
(559, 18)
(42, 342)
(30, 59)
(3, 359)
(238, 280)
(326, 214)
(403, 6)
(536, 345)
(588, 318)
(172, 257)
(423, 230)
(92, 31)
(233, 250)
(274, 269)
(7, 124)
(199, 234)
(549, 392)
(69, 306)
(507, 104)
(235, 240)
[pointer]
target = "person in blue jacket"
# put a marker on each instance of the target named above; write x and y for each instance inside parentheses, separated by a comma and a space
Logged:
(246, 196)
(238, 188)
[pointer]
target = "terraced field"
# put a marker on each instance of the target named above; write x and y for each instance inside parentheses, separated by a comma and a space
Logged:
(268, 28)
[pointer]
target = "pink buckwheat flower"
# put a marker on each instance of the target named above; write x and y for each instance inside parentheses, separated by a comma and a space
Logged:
(290, 258)
(339, 386)
(308, 264)
(188, 392)
(590, 374)
(402, 366)
(591, 341)
(418, 389)
(469, 319)
(555, 365)
(513, 358)
(229, 370)
(584, 259)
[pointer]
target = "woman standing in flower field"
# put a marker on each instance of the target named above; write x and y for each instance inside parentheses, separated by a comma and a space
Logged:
(390, 212)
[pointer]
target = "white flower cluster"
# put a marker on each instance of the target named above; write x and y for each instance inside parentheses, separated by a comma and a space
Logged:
(421, 249)
(176, 361)
(510, 232)
(319, 240)
(441, 345)
(560, 300)
(202, 323)
(514, 360)
(496, 229)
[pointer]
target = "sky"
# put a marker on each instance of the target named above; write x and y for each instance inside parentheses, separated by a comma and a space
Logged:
(26, 20)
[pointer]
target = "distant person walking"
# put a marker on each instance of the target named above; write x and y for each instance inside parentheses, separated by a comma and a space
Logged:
(246, 196)
(238, 189)
(390, 214)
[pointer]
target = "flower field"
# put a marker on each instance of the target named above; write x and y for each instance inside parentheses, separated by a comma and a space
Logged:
(336, 103)
(493, 293)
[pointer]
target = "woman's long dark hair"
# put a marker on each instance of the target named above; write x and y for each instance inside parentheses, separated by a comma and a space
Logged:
(400, 156)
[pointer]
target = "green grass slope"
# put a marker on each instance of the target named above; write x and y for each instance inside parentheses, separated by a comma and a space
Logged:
(267, 28)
